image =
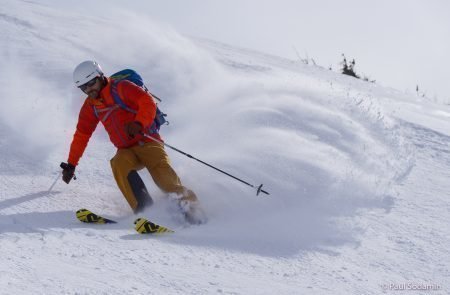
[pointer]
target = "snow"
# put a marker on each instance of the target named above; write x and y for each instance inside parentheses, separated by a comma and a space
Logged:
(357, 173)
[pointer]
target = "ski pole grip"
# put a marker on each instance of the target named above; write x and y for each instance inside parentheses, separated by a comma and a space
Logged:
(65, 166)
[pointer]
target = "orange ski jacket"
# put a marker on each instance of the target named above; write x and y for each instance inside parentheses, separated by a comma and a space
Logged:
(113, 118)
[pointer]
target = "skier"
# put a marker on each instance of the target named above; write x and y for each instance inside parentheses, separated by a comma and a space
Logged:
(126, 130)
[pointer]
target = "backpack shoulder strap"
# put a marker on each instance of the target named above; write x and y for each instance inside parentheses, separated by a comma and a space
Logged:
(116, 97)
(159, 118)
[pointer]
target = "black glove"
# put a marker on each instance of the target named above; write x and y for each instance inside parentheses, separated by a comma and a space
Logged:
(68, 172)
(133, 128)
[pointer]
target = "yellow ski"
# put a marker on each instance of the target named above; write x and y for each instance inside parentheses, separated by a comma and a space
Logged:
(84, 215)
(143, 226)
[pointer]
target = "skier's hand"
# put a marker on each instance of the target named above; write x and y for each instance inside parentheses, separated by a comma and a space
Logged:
(133, 128)
(68, 172)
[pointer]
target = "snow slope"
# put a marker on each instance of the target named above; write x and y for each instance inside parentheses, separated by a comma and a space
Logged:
(357, 172)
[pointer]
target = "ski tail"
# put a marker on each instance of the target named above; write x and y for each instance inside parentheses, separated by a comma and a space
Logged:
(84, 215)
(143, 226)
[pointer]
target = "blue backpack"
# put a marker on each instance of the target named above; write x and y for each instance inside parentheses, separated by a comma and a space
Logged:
(134, 77)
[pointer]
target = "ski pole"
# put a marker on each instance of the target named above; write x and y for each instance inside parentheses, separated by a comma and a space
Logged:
(54, 182)
(258, 188)
(57, 178)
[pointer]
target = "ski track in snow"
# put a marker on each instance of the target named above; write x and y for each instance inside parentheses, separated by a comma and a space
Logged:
(358, 173)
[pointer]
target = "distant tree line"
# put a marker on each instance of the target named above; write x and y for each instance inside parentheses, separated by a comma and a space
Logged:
(349, 69)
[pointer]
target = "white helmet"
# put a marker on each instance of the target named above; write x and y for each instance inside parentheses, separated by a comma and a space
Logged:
(86, 71)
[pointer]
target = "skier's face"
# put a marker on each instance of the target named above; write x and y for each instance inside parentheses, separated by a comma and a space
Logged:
(93, 87)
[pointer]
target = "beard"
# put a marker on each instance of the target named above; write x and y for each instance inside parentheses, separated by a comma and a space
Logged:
(93, 94)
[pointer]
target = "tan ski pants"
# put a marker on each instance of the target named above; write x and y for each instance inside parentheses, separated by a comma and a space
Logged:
(152, 156)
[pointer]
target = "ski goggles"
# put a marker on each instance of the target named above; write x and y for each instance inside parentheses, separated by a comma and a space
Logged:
(89, 83)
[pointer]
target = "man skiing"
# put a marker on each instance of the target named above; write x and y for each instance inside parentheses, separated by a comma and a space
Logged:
(126, 128)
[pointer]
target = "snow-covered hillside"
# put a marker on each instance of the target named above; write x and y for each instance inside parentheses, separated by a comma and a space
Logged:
(357, 173)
